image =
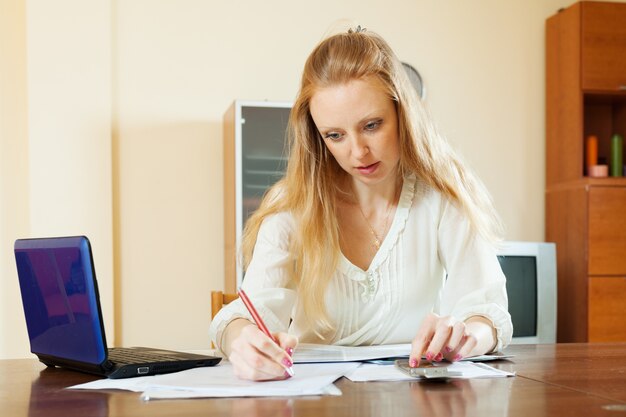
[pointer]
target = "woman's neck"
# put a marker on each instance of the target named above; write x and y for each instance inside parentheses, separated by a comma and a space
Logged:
(376, 198)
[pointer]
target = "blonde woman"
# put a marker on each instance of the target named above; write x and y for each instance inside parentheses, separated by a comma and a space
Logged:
(377, 233)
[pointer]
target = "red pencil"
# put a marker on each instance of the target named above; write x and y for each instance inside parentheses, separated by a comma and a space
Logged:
(259, 322)
(255, 315)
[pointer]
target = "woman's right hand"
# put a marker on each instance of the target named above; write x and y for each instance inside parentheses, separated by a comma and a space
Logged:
(256, 357)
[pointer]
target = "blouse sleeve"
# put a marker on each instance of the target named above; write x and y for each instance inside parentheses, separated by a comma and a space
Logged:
(475, 284)
(267, 280)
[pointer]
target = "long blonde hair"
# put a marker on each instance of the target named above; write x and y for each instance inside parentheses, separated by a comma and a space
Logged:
(308, 191)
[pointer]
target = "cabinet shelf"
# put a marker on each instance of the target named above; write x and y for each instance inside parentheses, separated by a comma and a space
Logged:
(605, 97)
(585, 182)
(604, 116)
(608, 181)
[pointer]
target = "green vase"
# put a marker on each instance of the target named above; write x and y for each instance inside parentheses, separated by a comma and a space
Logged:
(617, 165)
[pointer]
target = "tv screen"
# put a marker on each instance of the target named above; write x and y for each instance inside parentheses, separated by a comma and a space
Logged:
(530, 270)
(521, 287)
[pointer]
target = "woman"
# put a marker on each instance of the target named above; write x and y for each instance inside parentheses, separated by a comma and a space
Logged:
(377, 233)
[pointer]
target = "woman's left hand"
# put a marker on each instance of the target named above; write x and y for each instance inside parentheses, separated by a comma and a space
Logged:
(446, 337)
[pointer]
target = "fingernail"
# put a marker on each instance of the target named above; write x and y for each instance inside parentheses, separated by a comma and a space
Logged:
(287, 363)
(289, 351)
(413, 363)
(448, 349)
(458, 357)
(429, 356)
(289, 372)
(439, 357)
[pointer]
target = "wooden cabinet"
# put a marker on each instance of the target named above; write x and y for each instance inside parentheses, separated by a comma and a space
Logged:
(586, 217)
(606, 309)
(603, 46)
(607, 231)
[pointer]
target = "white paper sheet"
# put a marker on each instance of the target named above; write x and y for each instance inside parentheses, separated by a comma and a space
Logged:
(310, 352)
(220, 381)
(372, 372)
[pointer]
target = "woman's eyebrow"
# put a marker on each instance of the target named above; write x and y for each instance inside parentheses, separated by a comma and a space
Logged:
(368, 117)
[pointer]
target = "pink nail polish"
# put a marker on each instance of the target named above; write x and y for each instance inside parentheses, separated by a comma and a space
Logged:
(287, 375)
(413, 363)
(457, 357)
(448, 349)
(429, 356)
(287, 363)
(439, 357)
(289, 351)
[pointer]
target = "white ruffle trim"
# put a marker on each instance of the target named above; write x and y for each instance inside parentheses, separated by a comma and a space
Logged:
(368, 280)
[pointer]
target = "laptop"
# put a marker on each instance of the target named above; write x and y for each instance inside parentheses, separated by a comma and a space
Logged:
(64, 320)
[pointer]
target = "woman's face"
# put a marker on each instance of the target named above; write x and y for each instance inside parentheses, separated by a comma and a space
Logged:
(359, 124)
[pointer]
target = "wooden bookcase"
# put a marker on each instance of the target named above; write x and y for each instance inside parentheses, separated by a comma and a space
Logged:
(586, 217)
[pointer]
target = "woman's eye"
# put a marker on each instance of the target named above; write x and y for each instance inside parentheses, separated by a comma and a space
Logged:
(333, 136)
(372, 125)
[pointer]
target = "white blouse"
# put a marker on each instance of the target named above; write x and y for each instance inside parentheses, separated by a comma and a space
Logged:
(430, 261)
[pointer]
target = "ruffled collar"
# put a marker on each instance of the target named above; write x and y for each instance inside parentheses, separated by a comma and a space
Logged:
(367, 278)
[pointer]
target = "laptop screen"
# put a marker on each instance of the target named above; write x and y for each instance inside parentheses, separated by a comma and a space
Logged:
(60, 298)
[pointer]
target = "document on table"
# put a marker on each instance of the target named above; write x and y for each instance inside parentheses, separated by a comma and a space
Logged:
(310, 352)
(372, 372)
(220, 381)
(309, 379)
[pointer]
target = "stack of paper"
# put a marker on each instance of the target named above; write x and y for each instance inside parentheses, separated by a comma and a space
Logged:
(220, 381)
(467, 370)
(310, 353)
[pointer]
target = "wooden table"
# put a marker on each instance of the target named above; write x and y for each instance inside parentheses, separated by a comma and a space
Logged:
(552, 380)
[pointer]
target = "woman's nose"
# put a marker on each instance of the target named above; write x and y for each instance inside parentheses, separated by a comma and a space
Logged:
(359, 147)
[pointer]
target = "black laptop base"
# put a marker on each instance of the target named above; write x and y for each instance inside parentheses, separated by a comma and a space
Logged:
(155, 366)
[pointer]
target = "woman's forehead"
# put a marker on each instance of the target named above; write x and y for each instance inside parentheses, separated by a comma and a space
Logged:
(354, 100)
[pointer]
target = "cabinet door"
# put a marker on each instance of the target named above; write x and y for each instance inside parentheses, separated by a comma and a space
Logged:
(603, 46)
(255, 157)
(607, 309)
(607, 231)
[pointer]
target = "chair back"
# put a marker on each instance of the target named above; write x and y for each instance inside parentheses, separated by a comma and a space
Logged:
(219, 299)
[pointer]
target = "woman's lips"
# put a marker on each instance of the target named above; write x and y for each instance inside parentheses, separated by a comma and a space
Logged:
(368, 169)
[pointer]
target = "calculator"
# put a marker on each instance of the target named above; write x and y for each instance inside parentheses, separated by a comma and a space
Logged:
(427, 370)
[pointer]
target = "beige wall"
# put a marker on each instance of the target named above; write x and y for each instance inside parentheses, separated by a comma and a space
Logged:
(122, 136)
(13, 170)
(55, 139)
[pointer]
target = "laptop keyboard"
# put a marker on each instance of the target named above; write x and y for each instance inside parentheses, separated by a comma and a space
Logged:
(129, 355)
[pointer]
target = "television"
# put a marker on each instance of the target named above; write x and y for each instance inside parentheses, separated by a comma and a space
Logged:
(530, 270)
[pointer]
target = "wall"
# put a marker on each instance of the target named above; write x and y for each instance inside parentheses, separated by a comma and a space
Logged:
(13, 170)
(122, 136)
(180, 65)
(55, 139)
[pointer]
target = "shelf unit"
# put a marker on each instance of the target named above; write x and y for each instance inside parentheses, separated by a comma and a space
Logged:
(255, 157)
(586, 217)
